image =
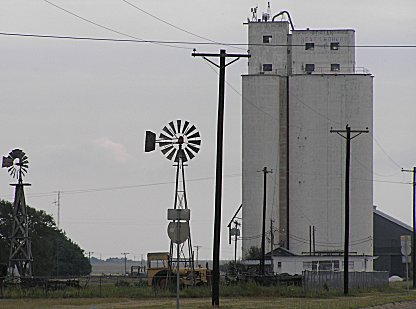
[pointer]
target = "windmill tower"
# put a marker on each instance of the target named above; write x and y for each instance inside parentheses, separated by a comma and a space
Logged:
(179, 141)
(20, 247)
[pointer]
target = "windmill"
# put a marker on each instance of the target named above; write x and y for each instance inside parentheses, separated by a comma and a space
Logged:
(20, 247)
(178, 141)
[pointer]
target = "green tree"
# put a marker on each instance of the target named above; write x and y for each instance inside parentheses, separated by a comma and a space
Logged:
(53, 252)
(254, 253)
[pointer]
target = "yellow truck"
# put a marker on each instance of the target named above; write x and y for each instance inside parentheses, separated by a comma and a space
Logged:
(161, 275)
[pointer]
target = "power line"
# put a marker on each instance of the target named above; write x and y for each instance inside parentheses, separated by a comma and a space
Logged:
(81, 191)
(174, 26)
(385, 152)
(165, 43)
(105, 27)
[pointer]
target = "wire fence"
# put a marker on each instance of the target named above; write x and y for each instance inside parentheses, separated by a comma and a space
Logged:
(334, 280)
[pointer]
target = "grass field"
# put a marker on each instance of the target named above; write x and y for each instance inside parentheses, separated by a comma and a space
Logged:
(231, 303)
(241, 297)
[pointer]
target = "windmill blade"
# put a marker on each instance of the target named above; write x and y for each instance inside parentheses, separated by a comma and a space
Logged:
(163, 136)
(195, 149)
(194, 135)
(185, 126)
(168, 131)
(170, 155)
(163, 144)
(172, 127)
(189, 153)
(195, 142)
(190, 130)
(17, 153)
(167, 149)
(178, 122)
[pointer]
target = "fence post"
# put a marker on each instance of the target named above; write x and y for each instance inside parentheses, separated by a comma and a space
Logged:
(100, 286)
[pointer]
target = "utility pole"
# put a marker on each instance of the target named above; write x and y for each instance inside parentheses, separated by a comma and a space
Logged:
(125, 261)
(263, 232)
(348, 139)
(414, 225)
(271, 242)
(218, 176)
(58, 204)
(236, 224)
(271, 238)
(89, 255)
(197, 255)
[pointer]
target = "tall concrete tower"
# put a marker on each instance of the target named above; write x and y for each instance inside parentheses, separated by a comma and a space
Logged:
(300, 83)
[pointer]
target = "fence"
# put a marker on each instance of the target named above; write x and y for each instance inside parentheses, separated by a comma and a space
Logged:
(83, 286)
(313, 280)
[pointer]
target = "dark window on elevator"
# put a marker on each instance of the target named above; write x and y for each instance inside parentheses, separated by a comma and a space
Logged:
(267, 67)
(267, 38)
(309, 68)
(309, 46)
(335, 67)
(334, 45)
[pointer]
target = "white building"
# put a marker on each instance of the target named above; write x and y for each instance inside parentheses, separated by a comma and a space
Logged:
(300, 84)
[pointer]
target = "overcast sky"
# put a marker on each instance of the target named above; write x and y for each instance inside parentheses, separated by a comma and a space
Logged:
(79, 109)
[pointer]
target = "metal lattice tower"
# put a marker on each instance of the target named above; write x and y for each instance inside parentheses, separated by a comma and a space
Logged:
(20, 245)
(178, 141)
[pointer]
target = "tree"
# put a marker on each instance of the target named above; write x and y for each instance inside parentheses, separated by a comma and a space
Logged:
(254, 253)
(53, 252)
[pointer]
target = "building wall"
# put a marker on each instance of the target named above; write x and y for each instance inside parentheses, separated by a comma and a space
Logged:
(294, 265)
(321, 55)
(317, 161)
(316, 157)
(387, 246)
(262, 96)
(265, 53)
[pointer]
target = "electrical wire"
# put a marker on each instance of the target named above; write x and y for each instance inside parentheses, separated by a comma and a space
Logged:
(176, 27)
(173, 42)
(92, 190)
(107, 28)
(384, 151)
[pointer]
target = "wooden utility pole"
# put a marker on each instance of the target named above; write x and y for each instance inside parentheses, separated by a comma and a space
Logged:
(58, 204)
(263, 232)
(218, 176)
(348, 139)
(197, 255)
(125, 261)
(236, 234)
(414, 225)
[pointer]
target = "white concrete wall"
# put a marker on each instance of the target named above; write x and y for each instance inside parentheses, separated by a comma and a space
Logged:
(317, 161)
(293, 265)
(322, 56)
(261, 97)
(317, 157)
(264, 53)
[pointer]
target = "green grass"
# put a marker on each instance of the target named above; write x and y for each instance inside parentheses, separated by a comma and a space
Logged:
(241, 296)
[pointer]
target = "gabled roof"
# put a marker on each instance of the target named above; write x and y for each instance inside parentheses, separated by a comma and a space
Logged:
(394, 220)
(281, 252)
